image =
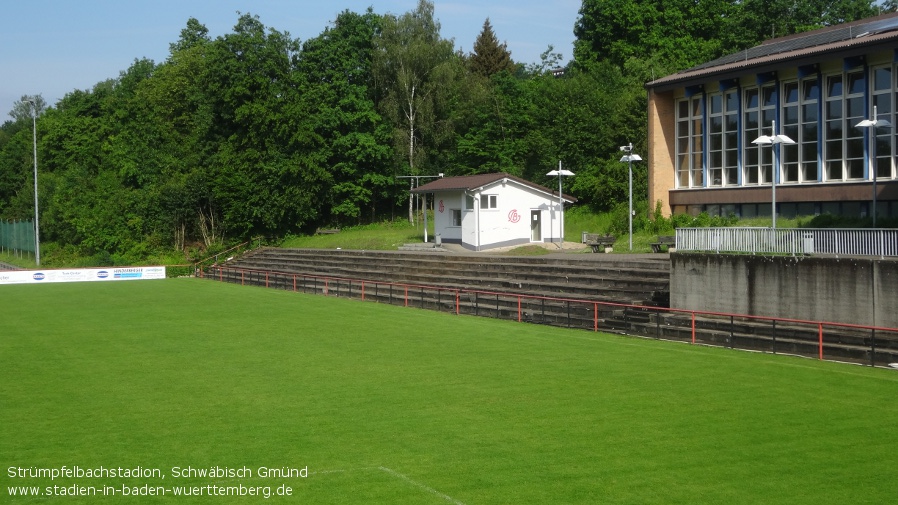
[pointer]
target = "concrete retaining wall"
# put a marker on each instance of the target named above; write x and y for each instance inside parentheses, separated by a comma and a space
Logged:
(844, 290)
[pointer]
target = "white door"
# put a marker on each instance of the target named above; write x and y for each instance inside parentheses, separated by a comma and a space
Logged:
(536, 227)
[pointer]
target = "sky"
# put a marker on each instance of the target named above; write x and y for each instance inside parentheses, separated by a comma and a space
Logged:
(53, 47)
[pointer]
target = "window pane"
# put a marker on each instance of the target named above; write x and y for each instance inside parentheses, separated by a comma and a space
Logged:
(884, 167)
(811, 89)
(790, 115)
(855, 169)
(715, 159)
(883, 103)
(834, 109)
(810, 112)
(809, 172)
(715, 125)
(834, 86)
(855, 148)
(751, 121)
(769, 96)
(790, 172)
(751, 99)
(834, 130)
(834, 150)
(809, 151)
(697, 107)
(730, 176)
(855, 108)
(790, 92)
(834, 170)
(882, 78)
(716, 104)
(732, 101)
(856, 83)
(730, 140)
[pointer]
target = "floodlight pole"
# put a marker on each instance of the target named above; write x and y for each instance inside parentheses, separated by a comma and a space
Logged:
(630, 158)
(37, 238)
(560, 172)
(871, 125)
(774, 141)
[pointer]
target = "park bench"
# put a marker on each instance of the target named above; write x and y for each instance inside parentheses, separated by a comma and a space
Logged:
(327, 231)
(598, 243)
(664, 243)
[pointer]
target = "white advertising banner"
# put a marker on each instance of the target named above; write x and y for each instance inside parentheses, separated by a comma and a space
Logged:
(81, 275)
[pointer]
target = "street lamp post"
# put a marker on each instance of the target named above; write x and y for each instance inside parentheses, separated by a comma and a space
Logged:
(37, 239)
(629, 158)
(773, 141)
(560, 172)
(873, 124)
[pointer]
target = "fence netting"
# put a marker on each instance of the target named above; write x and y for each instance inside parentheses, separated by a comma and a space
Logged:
(17, 237)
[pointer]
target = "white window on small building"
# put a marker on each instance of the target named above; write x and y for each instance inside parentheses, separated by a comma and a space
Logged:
(469, 202)
(456, 217)
(488, 202)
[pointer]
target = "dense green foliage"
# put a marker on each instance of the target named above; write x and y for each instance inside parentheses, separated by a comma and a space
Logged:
(257, 133)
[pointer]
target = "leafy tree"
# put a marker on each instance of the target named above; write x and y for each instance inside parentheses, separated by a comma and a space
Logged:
(685, 32)
(489, 56)
(193, 35)
(409, 54)
(21, 110)
(344, 134)
(257, 182)
(758, 20)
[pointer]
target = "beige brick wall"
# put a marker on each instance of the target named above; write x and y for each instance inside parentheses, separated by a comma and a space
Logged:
(661, 146)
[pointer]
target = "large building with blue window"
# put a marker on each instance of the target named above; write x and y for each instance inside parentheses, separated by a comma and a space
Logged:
(815, 87)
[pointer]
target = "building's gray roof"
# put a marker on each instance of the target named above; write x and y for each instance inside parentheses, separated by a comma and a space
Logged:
(858, 36)
(473, 182)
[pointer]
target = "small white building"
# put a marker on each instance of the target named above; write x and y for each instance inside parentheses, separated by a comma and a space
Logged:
(487, 211)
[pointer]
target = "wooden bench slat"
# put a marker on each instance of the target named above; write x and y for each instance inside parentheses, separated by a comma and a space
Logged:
(664, 242)
(597, 242)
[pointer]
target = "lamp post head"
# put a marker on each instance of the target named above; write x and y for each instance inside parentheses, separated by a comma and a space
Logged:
(875, 122)
(769, 140)
(630, 157)
(559, 173)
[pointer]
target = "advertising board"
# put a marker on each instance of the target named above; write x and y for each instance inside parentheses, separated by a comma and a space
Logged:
(81, 275)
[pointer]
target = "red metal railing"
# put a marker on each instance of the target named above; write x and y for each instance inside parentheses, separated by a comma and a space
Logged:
(870, 345)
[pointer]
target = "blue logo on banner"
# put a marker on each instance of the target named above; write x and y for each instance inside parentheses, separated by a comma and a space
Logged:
(102, 274)
(38, 276)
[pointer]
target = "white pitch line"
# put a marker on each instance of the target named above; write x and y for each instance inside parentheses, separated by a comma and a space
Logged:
(322, 472)
(420, 485)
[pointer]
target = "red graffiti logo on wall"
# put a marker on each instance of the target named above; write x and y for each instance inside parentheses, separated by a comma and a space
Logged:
(441, 207)
(513, 216)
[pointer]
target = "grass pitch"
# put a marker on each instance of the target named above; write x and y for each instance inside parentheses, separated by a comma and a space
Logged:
(382, 404)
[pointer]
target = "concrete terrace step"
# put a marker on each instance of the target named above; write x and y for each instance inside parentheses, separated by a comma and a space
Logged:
(423, 247)
(396, 263)
(604, 281)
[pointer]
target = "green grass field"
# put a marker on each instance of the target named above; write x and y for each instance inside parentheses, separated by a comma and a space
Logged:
(388, 404)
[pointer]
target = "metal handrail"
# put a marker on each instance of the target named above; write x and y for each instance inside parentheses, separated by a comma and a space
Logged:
(791, 241)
